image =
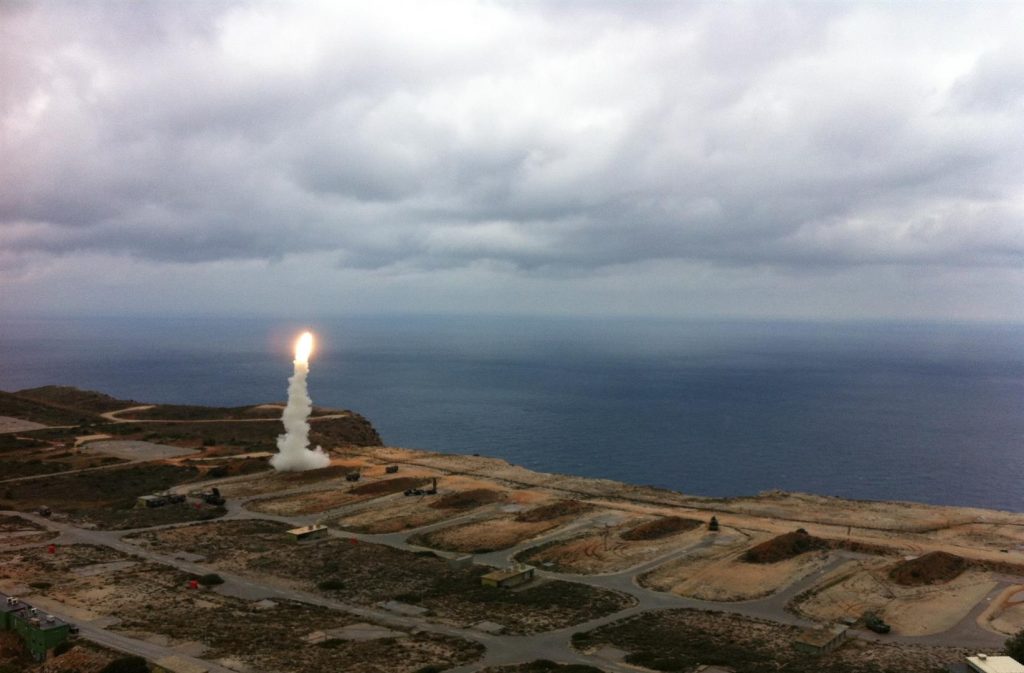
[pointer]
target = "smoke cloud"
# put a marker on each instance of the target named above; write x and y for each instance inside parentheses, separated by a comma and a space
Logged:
(294, 454)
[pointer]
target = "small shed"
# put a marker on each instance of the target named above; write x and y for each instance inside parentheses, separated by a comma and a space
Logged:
(983, 663)
(314, 532)
(821, 640)
(504, 579)
(146, 501)
(175, 664)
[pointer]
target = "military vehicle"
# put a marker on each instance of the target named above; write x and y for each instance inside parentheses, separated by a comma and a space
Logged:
(875, 623)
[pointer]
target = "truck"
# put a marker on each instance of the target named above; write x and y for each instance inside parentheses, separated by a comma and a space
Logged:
(213, 497)
(875, 623)
(424, 491)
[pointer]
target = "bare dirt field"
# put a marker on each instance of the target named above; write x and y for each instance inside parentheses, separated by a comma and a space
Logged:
(153, 603)
(307, 503)
(502, 532)
(275, 482)
(608, 548)
(11, 424)
(679, 640)
(718, 572)
(391, 515)
(341, 494)
(861, 585)
(480, 537)
(136, 450)
(454, 493)
(457, 496)
(994, 536)
(369, 574)
(15, 531)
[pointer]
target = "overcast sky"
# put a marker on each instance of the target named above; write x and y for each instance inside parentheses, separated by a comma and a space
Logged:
(808, 160)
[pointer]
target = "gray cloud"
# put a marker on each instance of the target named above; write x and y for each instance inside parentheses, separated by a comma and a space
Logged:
(552, 139)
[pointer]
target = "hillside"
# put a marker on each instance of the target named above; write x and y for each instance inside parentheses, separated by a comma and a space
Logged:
(68, 397)
(14, 405)
(68, 406)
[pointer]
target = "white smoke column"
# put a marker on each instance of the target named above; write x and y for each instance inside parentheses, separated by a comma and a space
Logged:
(294, 453)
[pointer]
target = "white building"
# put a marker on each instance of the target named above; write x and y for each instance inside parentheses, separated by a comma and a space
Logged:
(983, 663)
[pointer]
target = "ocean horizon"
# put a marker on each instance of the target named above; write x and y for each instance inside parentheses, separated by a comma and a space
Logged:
(883, 411)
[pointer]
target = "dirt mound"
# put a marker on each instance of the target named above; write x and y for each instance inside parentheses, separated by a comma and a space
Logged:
(784, 547)
(663, 527)
(467, 499)
(386, 486)
(937, 567)
(553, 511)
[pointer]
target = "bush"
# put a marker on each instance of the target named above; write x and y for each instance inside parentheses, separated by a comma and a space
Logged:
(211, 579)
(1015, 646)
(331, 585)
(40, 585)
(218, 472)
(62, 648)
(126, 665)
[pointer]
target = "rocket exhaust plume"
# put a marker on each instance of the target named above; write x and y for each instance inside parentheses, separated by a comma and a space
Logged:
(294, 453)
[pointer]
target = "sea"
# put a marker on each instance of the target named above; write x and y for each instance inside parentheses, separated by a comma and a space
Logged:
(931, 413)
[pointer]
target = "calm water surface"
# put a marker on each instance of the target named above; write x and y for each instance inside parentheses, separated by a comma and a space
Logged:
(931, 413)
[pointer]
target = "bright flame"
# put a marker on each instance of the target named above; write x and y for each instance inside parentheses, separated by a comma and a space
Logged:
(303, 347)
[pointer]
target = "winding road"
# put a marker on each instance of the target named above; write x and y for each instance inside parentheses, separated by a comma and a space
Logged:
(500, 649)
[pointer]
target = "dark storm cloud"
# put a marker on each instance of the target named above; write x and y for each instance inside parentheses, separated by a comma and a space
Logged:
(560, 137)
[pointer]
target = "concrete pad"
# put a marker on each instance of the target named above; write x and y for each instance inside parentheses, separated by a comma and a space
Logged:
(403, 608)
(77, 614)
(136, 450)
(609, 653)
(362, 631)
(234, 663)
(10, 424)
(190, 648)
(84, 439)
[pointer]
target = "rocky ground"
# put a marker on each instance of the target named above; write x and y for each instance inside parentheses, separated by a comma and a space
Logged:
(679, 640)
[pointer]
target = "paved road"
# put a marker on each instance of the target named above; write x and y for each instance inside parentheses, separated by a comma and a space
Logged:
(115, 417)
(122, 463)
